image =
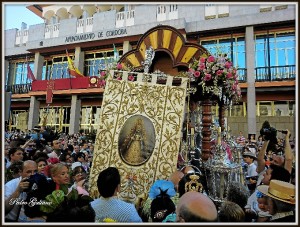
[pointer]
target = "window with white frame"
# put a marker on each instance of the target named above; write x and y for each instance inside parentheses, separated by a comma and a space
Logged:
(213, 11)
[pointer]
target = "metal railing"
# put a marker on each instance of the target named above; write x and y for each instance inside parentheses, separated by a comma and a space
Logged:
(242, 75)
(18, 88)
(275, 73)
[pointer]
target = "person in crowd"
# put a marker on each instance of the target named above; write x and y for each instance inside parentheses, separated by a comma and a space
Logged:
(41, 164)
(85, 148)
(6, 154)
(286, 161)
(252, 139)
(281, 200)
(36, 133)
(81, 157)
(66, 158)
(251, 174)
(241, 140)
(274, 172)
(57, 149)
(143, 203)
(196, 207)
(39, 188)
(259, 141)
(238, 193)
(15, 154)
(13, 171)
(59, 173)
(79, 176)
(175, 177)
(263, 208)
(15, 190)
(75, 152)
(108, 205)
(231, 212)
(162, 205)
(92, 147)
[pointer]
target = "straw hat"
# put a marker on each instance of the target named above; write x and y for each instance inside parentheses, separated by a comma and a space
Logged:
(279, 190)
(250, 154)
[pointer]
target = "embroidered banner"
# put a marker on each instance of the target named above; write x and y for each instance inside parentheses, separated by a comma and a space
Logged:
(139, 133)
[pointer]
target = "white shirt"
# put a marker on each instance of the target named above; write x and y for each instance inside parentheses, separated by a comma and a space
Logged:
(10, 188)
(251, 172)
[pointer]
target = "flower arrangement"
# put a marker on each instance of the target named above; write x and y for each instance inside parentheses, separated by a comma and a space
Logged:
(113, 66)
(216, 76)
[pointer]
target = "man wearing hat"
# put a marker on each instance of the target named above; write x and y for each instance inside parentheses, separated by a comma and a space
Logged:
(251, 174)
(281, 200)
(249, 158)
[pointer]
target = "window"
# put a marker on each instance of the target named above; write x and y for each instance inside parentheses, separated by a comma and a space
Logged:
(20, 72)
(225, 45)
(90, 118)
(59, 68)
(95, 62)
(281, 49)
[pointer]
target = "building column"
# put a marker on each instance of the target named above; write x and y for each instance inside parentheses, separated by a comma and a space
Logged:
(33, 117)
(75, 114)
(250, 65)
(38, 66)
(79, 59)
(126, 47)
(9, 69)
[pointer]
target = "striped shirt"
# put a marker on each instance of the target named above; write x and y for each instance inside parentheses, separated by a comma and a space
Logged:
(115, 209)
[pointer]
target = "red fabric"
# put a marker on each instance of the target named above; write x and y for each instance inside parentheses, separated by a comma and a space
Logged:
(72, 83)
(62, 84)
(49, 93)
(30, 74)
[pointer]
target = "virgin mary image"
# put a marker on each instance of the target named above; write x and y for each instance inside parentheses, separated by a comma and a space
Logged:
(134, 149)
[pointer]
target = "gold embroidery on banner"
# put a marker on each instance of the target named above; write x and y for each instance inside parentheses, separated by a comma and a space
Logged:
(163, 106)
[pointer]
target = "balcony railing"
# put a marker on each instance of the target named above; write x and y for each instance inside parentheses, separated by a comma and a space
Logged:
(18, 88)
(275, 73)
(242, 75)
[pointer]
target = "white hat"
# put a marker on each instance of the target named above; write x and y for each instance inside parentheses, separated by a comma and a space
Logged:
(75, 164)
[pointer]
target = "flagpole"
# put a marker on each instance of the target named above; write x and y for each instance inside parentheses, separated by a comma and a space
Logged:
(69, 70)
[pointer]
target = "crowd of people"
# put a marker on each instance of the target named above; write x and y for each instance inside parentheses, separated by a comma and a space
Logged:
(47, 180)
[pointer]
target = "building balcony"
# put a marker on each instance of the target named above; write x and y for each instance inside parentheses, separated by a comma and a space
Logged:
(275, 73)
(278, 73)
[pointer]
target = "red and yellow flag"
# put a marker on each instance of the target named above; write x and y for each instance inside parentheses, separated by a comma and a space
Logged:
(72, 69)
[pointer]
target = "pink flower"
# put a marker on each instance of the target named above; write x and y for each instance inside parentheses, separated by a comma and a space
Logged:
(201, 66)
(219, 72)
(234, 87)
(207, 77)
(119, 78)
(102, 73)
(196, 74)
(228, 64)
(119, 66)
(229, 75)
(202, 60)
(211, 59)
(131, 77)
(102, 83)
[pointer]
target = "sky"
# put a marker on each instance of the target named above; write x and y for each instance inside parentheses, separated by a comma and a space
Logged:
(15, 14)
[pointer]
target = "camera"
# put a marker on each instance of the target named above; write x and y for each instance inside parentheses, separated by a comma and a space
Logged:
(269, 133)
